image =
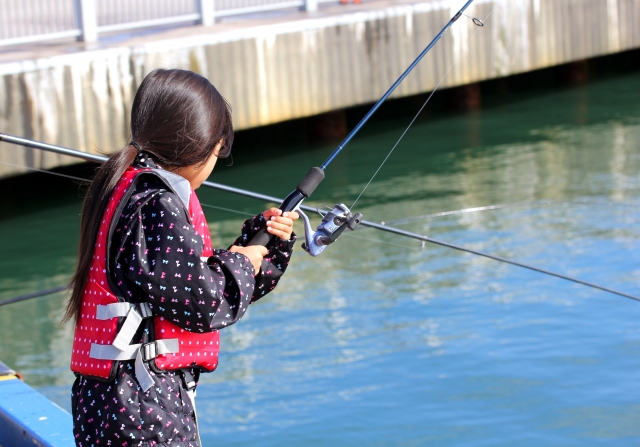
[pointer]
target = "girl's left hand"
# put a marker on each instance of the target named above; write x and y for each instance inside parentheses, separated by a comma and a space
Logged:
(280, 224)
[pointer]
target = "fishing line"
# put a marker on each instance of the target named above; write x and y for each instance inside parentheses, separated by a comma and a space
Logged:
(424, 238)
(380, 241)
(84, 180)
(46, 172)
(266, 198)
(497, 207)
(421, 108)
(46, 292)
(227, 209)
(460, 211)
(33, 295)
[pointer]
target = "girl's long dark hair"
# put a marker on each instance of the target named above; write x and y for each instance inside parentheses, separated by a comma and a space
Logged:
(178, 117)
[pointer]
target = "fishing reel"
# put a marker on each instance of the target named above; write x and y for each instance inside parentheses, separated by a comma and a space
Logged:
(332, 225)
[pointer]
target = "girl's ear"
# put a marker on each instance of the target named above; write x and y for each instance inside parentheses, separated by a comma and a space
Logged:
(216, 150)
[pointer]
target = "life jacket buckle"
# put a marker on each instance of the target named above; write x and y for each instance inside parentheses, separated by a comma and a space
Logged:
(189, 380)
(149, 351)
(144, 310)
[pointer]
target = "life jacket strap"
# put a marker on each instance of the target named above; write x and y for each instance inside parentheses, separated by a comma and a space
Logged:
(153, 349)
(113, 310)
(189, 380)
(110, 352)
(134, 314)
(149, 351)
(121, 349)
(141, 352)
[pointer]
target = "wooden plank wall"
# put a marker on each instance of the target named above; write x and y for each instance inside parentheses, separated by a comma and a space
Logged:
(301, 68)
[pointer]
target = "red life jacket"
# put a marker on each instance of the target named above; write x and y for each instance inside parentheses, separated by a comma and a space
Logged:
(104, 316)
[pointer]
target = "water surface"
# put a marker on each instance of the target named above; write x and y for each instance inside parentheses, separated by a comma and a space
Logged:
(379, 342)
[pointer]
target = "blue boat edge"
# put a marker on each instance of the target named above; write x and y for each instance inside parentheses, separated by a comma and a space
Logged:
(29, 418)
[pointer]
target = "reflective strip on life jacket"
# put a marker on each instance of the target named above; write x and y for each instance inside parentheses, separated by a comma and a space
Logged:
(122, 349)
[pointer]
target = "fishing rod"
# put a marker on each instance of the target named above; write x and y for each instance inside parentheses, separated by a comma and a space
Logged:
(340, 217)
(29, 296)
(379, 226)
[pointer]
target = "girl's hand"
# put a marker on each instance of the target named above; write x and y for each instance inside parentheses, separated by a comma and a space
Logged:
(280, 224)
(255, 253)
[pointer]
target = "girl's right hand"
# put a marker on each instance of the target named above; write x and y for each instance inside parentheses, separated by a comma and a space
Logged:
(255, 253)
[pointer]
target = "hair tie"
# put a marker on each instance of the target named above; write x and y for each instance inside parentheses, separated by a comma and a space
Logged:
(136, 145)
(139, 158)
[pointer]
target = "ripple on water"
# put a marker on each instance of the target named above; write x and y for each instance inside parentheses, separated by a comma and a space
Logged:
(380, 343)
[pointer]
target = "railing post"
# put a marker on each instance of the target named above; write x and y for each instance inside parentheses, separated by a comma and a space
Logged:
(207, 11)
(310, 5)
(86, 18)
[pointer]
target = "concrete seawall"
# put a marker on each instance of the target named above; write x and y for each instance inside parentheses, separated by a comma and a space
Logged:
(300, 65)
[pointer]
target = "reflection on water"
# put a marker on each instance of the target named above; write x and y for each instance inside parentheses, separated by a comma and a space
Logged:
(379, 342)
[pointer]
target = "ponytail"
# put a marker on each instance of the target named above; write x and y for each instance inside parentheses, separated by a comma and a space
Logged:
(93, 208)
(179, 118)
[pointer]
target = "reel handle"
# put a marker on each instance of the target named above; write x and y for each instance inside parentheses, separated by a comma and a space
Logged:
(304, 189)
(351, 224)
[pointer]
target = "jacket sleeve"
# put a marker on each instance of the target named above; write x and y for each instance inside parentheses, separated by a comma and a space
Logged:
(160, 254)
(275, 262)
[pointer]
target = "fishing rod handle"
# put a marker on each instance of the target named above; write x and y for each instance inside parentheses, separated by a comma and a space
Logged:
(304, 189)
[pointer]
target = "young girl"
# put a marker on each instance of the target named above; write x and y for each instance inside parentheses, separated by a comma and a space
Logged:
(149, 293)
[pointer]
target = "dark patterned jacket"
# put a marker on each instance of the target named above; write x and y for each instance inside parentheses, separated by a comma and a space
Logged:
(119, 413)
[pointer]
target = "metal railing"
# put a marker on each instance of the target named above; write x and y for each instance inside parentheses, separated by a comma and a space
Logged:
(29, 21)
(26, 21)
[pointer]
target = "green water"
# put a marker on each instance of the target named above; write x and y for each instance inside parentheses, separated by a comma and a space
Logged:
(379, 342)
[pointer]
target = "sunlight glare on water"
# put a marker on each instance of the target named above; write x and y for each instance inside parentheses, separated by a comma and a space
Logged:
(380, 343)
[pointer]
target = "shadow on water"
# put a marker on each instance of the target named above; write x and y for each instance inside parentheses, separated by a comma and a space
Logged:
(447, 125)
